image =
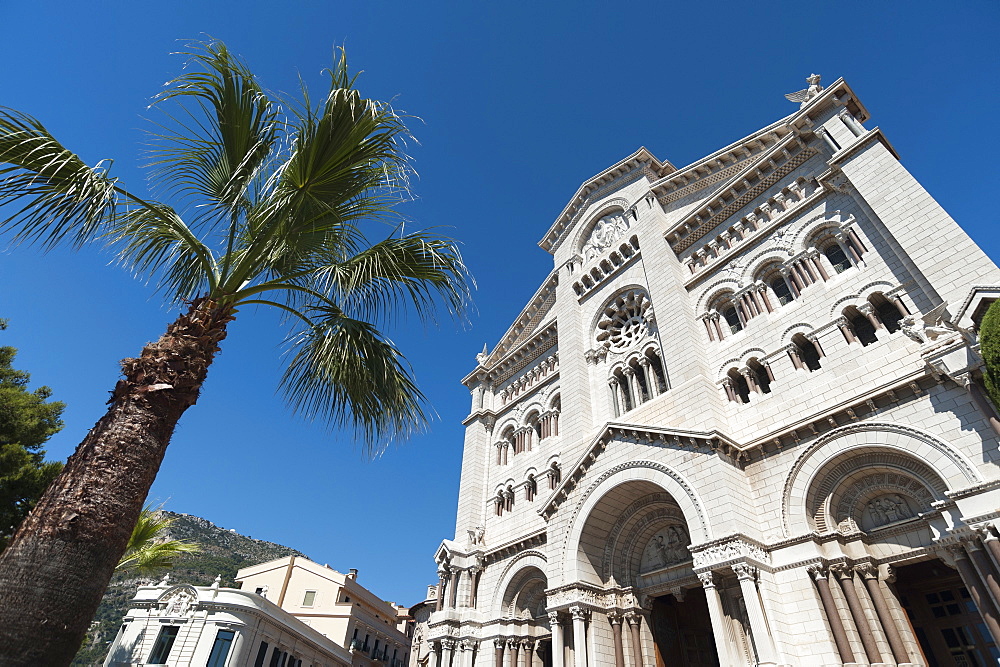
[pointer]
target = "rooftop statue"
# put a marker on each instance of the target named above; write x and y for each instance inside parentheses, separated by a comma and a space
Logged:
(803, 96)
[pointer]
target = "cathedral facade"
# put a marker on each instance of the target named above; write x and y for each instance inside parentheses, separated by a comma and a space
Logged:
(739, 423)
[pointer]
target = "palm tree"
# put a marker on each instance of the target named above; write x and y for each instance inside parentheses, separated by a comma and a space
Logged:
(148, 549)
(271, 208)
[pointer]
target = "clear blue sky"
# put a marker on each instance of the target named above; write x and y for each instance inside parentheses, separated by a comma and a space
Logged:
(520, 103)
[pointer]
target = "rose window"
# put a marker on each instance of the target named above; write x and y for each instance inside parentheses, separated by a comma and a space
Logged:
(626, 321)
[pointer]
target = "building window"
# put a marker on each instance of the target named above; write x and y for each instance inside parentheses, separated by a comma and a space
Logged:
(886, 311)
(164, 642)
(220, 648)
(732, 319)
(805, 353)
(860, 326)
(309, 599)
(261, 655)
(837, 258)
(530, 488)
(781, 290)
(760, 375)
(740, 390)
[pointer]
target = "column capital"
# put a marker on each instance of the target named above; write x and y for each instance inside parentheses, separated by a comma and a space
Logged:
(841, 570)
(513, 643)
(554, 618)
(817, 571)
(527, 644)
(448, 644)
(465, 645)
(744, 571)
(579, 613)
(633, 618)
(867, 571)
(707, 579)
(500, 642)
(615, 617)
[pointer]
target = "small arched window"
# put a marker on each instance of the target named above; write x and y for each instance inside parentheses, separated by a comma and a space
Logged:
(886, 311)
(740, 388)
(761, 375)
(860, 326)
(555, 475)
(530, 488)
(805, 353)
(837, 258)
(779, 286)
(732, 318)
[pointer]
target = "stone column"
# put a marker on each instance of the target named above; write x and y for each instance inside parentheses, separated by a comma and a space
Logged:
(498, 645)
(845, 576)
(474, 574)
(635, 630)
(647, 373)
(436, 650)
(447, 648)
(514, 648)
(466, 649)
(869, 575)
(442, 584)
(615, 398)
(633, 387)
(616, 632)
(719, 630)
(456, 575)
(526, 646)
(579, 635)
(558, 644)
(977, 590)
(747, 574)
(788, 281)
(992, 543)
(832, 613)
(986, 571)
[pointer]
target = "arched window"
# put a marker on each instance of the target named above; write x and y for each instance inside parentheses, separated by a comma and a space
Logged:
(732, 318)
(837, 258)
(509, 498)
(530, 488)
(805, 353)
(886, 311)
(860, 326)
(761, 376)
(740, 388)
(555, 475)
(499, 503)
(658, 379)
(779, 286)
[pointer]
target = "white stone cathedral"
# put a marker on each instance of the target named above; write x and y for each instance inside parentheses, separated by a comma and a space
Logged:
(739, 423)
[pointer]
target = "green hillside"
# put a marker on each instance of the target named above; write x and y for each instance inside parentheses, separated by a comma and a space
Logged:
(223, 552)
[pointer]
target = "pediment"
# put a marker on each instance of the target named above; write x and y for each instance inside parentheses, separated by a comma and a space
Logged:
(676, 438)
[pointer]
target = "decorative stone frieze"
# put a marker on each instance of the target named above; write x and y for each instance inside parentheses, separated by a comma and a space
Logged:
(727, 551)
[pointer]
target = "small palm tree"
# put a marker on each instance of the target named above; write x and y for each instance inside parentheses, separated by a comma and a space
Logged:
(148, 549)
(270, 208)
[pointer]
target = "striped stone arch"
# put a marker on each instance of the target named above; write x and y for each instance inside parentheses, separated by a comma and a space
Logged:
(913, 453)
(516, 573)
(655, 475)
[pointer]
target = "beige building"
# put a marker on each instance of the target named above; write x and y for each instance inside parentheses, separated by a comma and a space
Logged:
(289, 612)
(739, 423)
(335, 605)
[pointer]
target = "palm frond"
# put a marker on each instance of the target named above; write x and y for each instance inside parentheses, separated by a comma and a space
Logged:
(417, 270)
(155, 241)
(215, 147)
(56, 196)
(148, 548)
(344, 372)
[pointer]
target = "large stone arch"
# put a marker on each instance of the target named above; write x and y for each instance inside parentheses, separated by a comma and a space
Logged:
(644, 478)
(514, 573)
(938, 465)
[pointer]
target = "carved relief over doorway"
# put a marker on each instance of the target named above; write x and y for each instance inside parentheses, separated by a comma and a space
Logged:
(606, 231)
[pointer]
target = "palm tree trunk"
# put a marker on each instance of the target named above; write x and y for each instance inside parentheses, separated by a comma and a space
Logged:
(59, 563)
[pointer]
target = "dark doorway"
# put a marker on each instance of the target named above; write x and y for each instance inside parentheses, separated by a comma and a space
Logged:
(944, 618)
(683, 631)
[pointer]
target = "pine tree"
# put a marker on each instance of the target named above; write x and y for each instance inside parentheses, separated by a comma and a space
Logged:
(27, 419)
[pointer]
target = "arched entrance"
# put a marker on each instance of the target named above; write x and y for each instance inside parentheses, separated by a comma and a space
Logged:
(634, 539)
(526, 642)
